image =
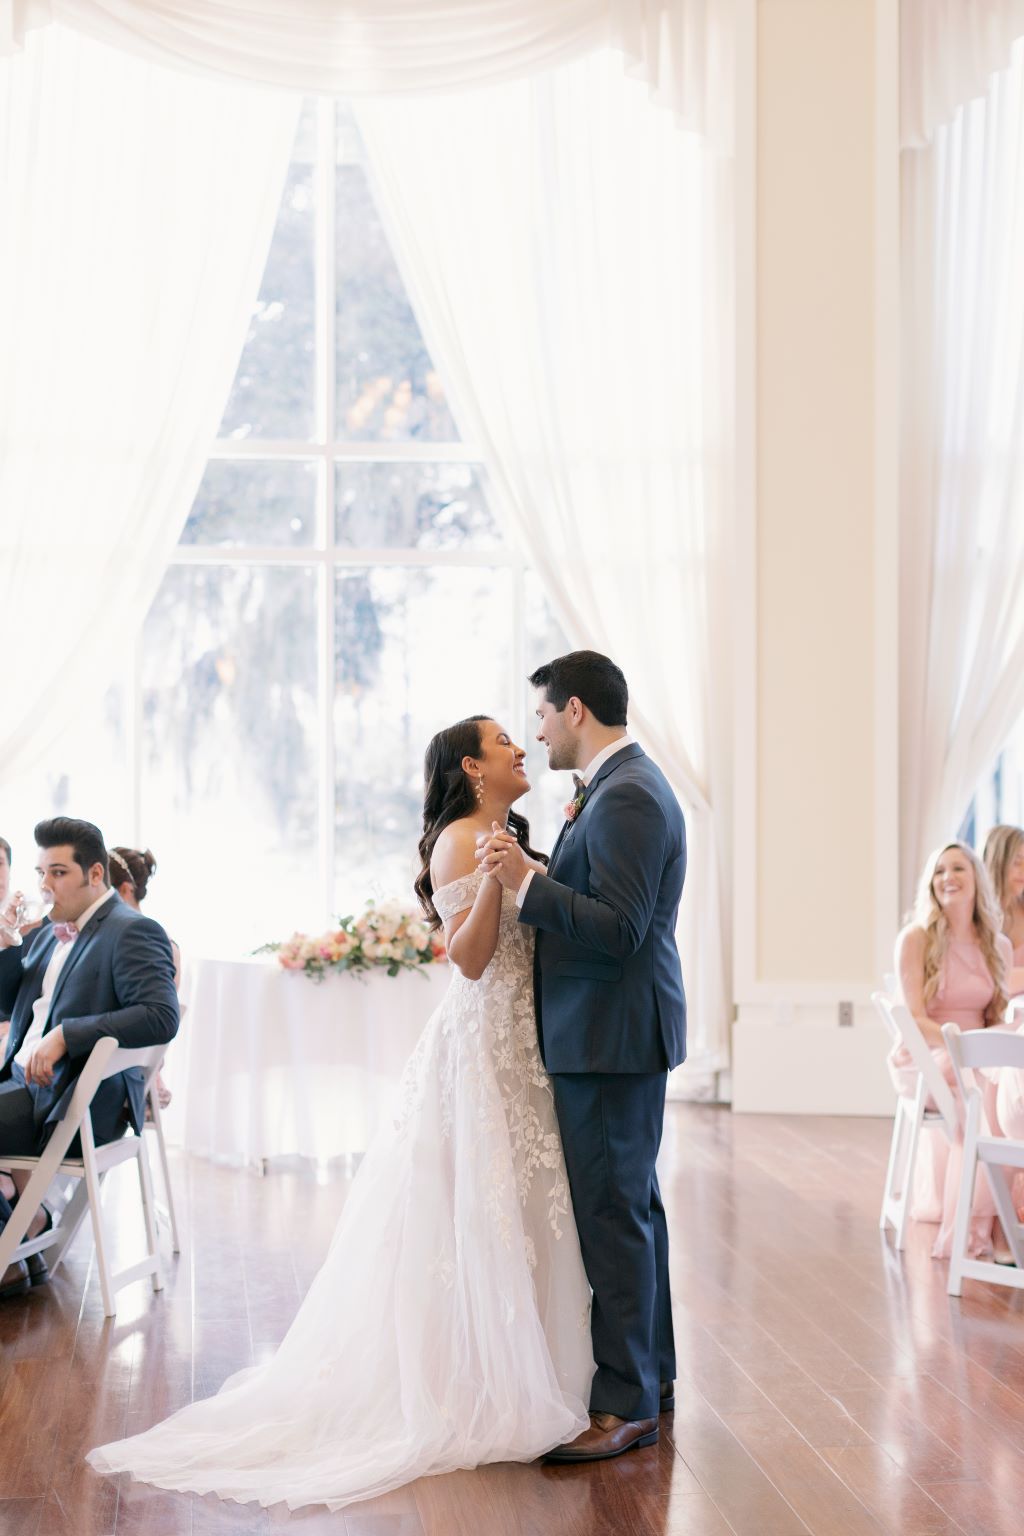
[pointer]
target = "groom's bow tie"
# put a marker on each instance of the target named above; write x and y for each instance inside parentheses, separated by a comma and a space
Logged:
(65, 932)
(578, 784)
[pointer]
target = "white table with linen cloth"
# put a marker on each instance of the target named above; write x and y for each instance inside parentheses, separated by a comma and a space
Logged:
(269, 1064)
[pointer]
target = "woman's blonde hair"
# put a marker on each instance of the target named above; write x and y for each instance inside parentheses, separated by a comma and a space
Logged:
(988, 926)
(1000, 849)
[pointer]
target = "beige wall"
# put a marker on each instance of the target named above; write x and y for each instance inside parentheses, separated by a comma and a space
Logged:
(816, 779)
(815, 489)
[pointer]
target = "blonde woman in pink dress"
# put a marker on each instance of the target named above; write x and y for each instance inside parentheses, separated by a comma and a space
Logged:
(952, 960)
(1004, 860)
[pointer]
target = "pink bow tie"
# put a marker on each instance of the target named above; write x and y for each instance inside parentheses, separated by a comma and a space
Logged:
(65, 932)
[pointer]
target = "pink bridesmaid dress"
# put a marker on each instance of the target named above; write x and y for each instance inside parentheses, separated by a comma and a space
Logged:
(964, 993)
(1010, 1096)
(1018, 963)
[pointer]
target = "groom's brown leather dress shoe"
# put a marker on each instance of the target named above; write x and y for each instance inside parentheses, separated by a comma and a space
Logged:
(607, 1436)
(668, 1397)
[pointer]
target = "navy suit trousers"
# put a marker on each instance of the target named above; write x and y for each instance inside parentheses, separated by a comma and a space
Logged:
(611, 1127)
(21, 1134)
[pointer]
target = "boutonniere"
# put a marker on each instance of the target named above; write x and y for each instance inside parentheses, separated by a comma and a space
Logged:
(575, 805)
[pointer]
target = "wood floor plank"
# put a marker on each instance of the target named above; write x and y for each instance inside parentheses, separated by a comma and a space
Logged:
(745, 1495)
(804, 1479)
(978, 1510)
(20, 1517)
(898, 1502)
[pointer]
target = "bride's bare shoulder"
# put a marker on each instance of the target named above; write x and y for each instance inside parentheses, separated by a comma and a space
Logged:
(454, 854)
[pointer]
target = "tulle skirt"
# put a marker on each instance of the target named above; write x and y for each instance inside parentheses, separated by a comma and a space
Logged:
(448, 1326)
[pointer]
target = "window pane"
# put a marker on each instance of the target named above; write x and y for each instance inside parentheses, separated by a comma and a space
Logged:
(272, 395)
(269, 501)
(229, 753)
(415, 651)
(388, 388)
(413, 506)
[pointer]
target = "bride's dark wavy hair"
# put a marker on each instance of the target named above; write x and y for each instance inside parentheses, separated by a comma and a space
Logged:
(448, 796)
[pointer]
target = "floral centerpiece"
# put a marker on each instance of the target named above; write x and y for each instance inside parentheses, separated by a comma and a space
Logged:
(382, 935)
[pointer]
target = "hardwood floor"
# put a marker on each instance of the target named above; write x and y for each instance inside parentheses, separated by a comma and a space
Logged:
(825, 1384)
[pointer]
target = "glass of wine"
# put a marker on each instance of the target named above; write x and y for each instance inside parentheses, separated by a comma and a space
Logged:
(21, 911)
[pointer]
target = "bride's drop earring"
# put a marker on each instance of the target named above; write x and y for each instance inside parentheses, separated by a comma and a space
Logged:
(478, 789)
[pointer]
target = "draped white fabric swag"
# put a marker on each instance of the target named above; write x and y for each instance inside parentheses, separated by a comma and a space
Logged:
(360, 47)
(136, 205)
(948, 51)
(558, 241)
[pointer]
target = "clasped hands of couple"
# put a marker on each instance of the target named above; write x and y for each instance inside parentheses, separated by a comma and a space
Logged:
(501, 857)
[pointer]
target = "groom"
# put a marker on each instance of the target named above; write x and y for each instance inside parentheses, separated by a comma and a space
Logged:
(611, 1015)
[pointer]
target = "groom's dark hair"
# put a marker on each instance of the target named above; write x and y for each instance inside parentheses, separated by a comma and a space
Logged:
(590, 677)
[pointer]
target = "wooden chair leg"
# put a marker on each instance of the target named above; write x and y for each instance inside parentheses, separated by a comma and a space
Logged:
(93, 1186)
(31, 1198)
(914, 1141)
(889, 1195)
(158, 1125)
(71, 1218)
(965, 1199)
(149, 1212)
(1000, 1188)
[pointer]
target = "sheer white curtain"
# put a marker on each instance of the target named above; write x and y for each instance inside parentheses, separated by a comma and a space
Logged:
(355, 47)
(556, 238)
(136, 206)
(962, 564)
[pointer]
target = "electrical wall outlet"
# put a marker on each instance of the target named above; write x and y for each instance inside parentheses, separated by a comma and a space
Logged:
(845, 1015)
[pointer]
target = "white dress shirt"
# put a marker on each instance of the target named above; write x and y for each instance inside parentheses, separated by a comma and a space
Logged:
(596, 762)
(41, 1006)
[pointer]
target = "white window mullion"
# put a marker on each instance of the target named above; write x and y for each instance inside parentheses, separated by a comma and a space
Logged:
(212, 554)
(404, 452)
(326, 389)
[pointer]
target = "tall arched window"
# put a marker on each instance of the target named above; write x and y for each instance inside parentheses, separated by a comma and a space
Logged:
(341, 590)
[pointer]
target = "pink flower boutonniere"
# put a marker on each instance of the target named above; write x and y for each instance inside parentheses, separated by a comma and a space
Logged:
(574, 807)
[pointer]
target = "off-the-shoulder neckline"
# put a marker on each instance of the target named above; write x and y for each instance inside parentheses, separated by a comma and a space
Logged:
(473, 875)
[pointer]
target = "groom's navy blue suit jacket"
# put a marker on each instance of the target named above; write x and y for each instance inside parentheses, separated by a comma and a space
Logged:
(608, 983)
(118, 980)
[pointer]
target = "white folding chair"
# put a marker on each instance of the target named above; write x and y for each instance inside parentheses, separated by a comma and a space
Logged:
(154, 1122)
(913, 1115)
(971, 1051)
(106, 1059)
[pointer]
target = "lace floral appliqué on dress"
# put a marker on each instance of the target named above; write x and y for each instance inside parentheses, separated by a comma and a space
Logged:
(448, 1326)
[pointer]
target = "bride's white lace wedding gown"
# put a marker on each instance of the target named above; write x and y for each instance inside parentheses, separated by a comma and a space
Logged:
(449, 1324)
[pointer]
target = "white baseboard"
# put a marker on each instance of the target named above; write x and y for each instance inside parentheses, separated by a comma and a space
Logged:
(804, 1063)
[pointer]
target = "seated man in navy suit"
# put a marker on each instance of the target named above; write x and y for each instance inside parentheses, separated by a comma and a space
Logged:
(95, 968)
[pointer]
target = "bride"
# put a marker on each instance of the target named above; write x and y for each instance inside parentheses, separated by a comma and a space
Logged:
(449, 1324)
